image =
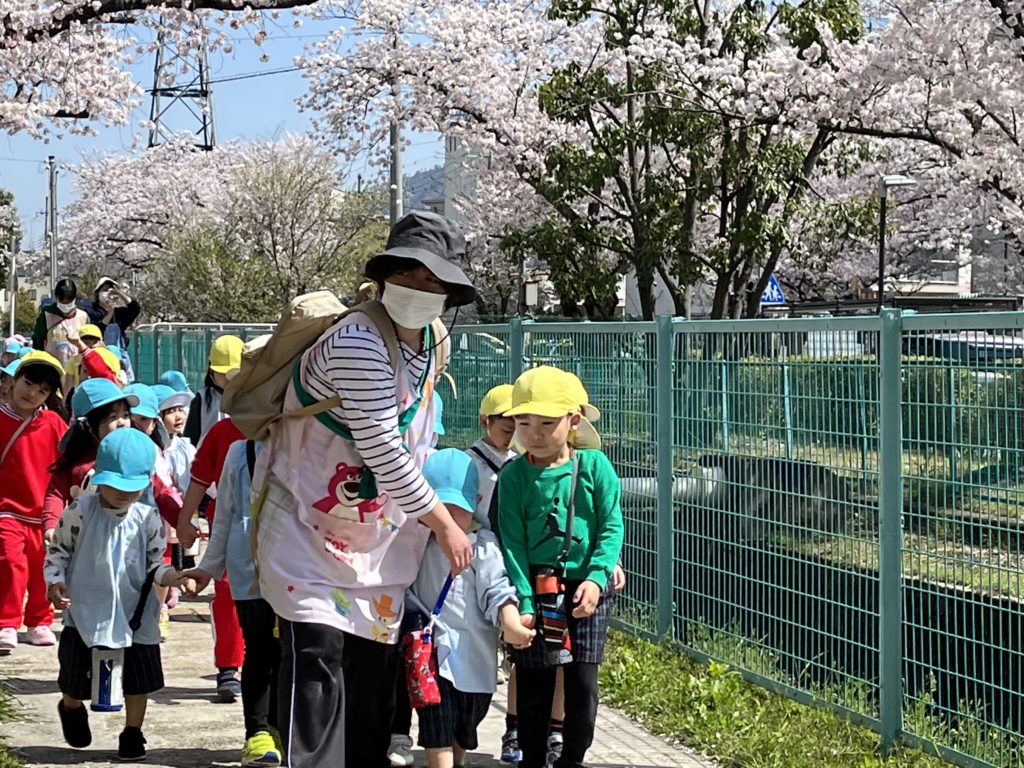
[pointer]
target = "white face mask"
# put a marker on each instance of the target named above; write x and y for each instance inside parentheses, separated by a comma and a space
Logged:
(65, 308)
(411, 308)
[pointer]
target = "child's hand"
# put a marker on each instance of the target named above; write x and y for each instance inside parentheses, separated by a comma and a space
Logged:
(58, 595)
(516, 635)
(528, 620)
(173, 578)
(200, 580)
(48, 536)
(585, 599)
(618, 578)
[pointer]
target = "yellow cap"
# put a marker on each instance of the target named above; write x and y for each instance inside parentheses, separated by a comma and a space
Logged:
(497, 402)
(38, 357)
(112, 361)
(90, 330)
(543, 391)
(586, 408)
(552, 392)
(226, 354)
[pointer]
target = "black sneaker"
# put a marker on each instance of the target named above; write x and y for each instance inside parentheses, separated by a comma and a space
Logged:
(229, 687)
(131, 745)
(75, 725)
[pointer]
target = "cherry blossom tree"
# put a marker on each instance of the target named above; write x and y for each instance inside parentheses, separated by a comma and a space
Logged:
(228, 234)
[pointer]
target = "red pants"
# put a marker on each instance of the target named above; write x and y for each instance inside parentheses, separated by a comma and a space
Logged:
(228, 645)
(21, 569)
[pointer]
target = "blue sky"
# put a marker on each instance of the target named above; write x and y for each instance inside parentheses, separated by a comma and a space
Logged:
(256, 108)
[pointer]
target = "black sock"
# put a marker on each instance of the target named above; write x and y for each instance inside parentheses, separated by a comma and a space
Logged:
(555, 726)
(511, 721)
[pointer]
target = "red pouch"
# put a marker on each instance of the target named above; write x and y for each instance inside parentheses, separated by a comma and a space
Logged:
(421, 660)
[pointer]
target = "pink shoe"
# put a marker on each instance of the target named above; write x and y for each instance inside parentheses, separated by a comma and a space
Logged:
(8, 640)
(41, 636)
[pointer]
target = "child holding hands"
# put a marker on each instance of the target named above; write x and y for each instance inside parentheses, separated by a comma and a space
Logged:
(107, 547)
(481, 599)
(561, 528)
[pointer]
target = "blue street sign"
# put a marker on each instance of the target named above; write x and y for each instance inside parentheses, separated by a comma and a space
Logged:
(772, 293)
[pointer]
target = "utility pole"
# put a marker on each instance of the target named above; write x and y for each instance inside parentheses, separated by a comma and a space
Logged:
(396, 172)
(12, 282)
(51, 222)
(397, 192)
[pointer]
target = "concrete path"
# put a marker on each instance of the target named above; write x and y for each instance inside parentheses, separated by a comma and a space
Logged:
(185, 729)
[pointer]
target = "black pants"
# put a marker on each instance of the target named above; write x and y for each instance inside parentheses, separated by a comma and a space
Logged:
(402, 720)
(317, 727)
(261, 665)
(535, 690)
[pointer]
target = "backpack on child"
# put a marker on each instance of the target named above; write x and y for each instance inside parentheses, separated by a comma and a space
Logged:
(254, 397)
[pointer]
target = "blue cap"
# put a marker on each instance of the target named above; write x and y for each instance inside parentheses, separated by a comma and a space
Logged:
(94, 393)
(12, 347)
(168, 398)
(125, 460)
(175, 380)
(453, 476)
(147, 406)
(438, 414)
(24, 351)
(11, 368)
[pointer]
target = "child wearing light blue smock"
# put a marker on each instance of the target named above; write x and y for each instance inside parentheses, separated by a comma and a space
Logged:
(107, 551)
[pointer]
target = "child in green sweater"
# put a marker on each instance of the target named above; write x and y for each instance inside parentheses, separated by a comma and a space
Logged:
(560, 523)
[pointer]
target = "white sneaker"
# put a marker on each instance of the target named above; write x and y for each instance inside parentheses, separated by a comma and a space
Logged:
(41, 636)
(8, 640)
(400, 751)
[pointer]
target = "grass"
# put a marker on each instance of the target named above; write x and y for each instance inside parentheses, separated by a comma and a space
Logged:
(8, 713)
(712, 709)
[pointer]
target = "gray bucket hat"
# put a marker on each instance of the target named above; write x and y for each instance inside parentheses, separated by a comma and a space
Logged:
(436, 243)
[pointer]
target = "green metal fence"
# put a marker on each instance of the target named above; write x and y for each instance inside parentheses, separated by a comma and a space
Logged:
(831, 506)
(181, 346)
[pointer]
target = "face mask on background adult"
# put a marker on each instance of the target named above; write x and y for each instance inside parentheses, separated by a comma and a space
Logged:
(66, 308)
(411, 308)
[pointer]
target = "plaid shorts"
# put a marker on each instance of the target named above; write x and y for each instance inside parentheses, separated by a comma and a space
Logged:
(142, 673)
(586, 635)
(454, 720)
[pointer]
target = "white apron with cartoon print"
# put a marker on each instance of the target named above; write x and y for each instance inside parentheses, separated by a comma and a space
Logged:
(324, 555)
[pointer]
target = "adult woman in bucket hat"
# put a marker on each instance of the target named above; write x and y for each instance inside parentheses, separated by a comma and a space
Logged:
(334, 556)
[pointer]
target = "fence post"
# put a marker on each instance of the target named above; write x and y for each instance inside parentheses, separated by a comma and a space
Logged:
(890, 529)
(179, 349)
(666, 474)
(724, 391)
(156, 355)
(515, 348)
(787, 408)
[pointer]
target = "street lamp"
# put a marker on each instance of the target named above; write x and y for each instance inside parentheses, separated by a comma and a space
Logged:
(884, 183)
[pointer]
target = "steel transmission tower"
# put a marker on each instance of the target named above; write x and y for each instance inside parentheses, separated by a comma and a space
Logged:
(182, 100)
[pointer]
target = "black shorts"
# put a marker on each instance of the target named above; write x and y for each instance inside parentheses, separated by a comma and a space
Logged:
(587, 636)
(142, 673)
(454, 720)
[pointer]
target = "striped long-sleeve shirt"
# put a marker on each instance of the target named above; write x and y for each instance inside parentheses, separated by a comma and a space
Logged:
(353, 363)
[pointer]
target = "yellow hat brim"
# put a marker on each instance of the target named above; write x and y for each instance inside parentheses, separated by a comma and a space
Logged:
(585, 436)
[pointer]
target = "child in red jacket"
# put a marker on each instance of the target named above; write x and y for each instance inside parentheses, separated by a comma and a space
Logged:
(31, 427)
